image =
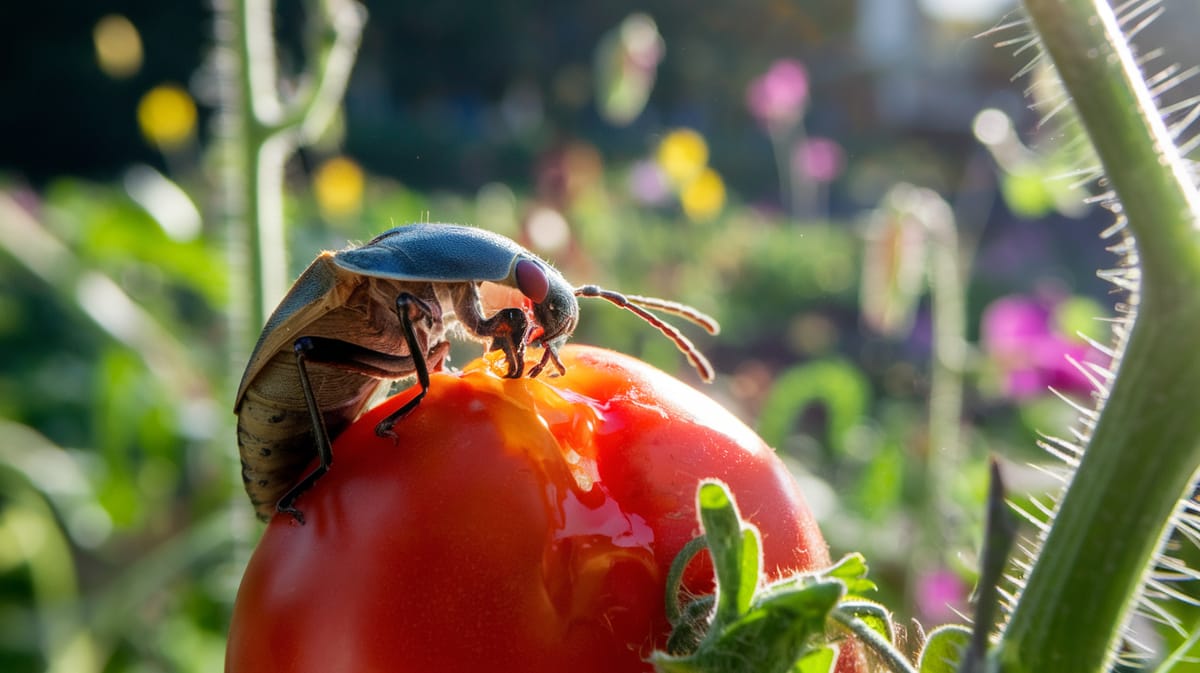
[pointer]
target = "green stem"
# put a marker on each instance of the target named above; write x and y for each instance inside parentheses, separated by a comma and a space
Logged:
(266, 131)
(892, 658)
(783, 169)
(675, 576)
(1145, 448)
(333, 55)
(950, 354)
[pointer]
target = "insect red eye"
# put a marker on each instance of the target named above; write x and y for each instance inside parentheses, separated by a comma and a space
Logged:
(532, 281)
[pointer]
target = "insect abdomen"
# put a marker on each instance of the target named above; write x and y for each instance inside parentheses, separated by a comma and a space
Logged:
(275, 430)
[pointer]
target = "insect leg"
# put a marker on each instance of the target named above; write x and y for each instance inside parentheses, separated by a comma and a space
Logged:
(507, 328)
(350, 357)
(286, 504)
(410, 309)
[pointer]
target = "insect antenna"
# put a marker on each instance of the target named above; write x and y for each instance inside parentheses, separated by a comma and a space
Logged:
(635, 304)
(684, 311)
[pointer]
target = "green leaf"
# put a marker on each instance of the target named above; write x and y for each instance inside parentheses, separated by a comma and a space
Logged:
(869, 634)
(873, 615)
(1081, 315)
(943, 649)
(810, 602)
(754, 628)
(849, 567)
(775, 633)
(819, 660)
(1000, 535)
(852, 569)
(880, 489)
(1026, 194)
(730, 548)
(751, 557)
(837, 384)
(690, 626)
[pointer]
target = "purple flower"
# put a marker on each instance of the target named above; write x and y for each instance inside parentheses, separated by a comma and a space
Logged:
(777, 97)
(649, 184)
(818, 159)
(1019, 335)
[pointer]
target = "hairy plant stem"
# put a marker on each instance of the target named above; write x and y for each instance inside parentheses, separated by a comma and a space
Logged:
(949, 361)
(892, 658)
(1145, 448)
(267, 130)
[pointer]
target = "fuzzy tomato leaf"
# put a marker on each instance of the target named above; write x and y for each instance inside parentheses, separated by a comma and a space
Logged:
(873, 615)
(852, 570)
(734, 548)
(819, 660)
(944, 649)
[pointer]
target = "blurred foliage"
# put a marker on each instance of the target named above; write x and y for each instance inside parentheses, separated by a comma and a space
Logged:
(110, 353)
(123, 526)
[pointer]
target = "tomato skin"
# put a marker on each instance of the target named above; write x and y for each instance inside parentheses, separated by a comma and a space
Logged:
(513, 525)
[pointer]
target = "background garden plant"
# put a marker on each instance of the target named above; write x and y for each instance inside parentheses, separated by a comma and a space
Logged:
(131, 287)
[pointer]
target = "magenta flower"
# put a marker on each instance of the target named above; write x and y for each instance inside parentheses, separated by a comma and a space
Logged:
(818, 159)
(939, 594)
(1019, 335)
(777, 97)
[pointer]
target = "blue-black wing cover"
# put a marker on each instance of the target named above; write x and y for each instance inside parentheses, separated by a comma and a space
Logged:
(444, 253)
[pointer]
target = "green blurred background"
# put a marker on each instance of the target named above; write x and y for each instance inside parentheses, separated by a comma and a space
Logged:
(760, 160)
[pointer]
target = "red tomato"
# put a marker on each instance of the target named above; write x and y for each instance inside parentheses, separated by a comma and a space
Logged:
(515, 525)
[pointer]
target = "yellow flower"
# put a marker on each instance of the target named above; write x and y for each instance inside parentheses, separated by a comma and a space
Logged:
(167, 116)
(338, 185)
(703, 198)
(682, 154)
(118, 46)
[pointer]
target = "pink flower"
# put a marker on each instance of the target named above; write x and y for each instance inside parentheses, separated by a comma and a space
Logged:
(818, 159)
(777, 97)
(939, 594)
(1019, 335)
(1011, 323)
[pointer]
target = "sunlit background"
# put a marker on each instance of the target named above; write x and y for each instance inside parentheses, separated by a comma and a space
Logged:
(859, 191)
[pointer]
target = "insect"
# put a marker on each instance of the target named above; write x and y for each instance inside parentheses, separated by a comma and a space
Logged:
(359, 318)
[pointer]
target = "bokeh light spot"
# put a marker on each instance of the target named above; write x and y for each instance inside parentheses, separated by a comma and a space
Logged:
(703, 198)
(167, 116)
(548, 230)
(683, 155)
(118, 46)
(992, 127)
(338, 186)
